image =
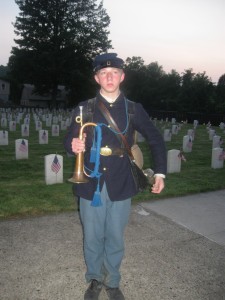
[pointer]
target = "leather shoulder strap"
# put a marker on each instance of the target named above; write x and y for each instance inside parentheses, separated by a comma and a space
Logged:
(113, 124)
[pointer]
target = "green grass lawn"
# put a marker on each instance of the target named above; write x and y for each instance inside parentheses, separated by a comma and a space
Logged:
(23, 191)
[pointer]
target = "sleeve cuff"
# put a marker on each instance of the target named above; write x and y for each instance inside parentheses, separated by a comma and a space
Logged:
(160, 175)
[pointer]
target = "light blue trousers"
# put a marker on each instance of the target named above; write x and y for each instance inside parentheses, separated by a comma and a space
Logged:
(103, 229)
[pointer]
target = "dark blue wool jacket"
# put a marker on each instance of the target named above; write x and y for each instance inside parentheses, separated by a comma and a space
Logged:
(115, 169)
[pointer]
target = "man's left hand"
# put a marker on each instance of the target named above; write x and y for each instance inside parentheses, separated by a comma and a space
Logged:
(158, 186)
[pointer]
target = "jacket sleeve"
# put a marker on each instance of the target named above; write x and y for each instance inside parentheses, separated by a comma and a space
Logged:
(144, 125)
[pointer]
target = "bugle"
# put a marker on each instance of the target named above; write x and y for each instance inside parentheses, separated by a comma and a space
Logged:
(79, 175)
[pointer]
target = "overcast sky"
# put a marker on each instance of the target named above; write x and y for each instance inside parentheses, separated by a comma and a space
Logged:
(178, 34)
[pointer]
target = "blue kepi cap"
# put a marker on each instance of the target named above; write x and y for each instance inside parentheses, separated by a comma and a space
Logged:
(107, 60)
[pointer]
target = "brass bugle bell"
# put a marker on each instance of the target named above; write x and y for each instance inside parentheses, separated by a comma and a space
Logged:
(79, 175)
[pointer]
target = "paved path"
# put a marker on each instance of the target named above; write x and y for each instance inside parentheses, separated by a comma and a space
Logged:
(174, 250)
(203, 213)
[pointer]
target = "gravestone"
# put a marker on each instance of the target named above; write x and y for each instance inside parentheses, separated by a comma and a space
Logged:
(69, 121)
(3, 122)
(25, 130)
(21, 149)
(173, 161)
(43, 136)
(174, 129)
(38, 125)
(48, 122)
(55, 120)
(195, 123)
(12, 126)
(222, 126)
(212, 132)
(191, 132)
(53, 169)
(4, 139)
(218, 156)
(139, 137)
(55, 130)
(64, 124)
(187, 143)
(167, 135)
(217, 141)
(26, 121)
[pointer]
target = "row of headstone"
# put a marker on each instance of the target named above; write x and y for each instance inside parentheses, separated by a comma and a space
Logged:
(43, 134)
(55, 120)
(53, 162)
(174, 158)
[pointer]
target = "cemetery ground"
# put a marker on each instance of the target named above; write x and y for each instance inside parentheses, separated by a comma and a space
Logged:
(23, 191)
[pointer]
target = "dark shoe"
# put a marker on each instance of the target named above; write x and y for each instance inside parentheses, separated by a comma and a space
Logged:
(114, 294)
(93, 290)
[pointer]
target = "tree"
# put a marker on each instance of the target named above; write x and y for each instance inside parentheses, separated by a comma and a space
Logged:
(220, 94)
(143, 83)
(56, 42)
(170, 89)
(135, 74)
(196, 93)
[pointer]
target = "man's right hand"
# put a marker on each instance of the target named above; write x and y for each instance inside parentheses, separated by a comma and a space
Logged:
(78, 145)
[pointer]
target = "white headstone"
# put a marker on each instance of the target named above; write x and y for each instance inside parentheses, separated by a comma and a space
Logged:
(69, 121)
(212, 132)
(217, 141)
(48, 122)
(218, 156)
(38, 125)
(3, 122)
(4, 139)
(53, 169)
(167, 135)
(173, 161)
(195, 123)
(139, 137)
(12, 126)
(43, 136)
(64, 124)
(26, 121)
(174, 129)
(21, 149)
(55, 120)
(25, 130)
(191, 132)
(222, 125)
(55, 130)
(173, 120)
(187, 143)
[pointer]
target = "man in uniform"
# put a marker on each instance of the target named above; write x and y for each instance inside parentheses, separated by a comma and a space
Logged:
(104, 225)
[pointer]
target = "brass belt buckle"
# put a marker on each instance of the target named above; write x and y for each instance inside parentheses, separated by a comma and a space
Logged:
(105, 151)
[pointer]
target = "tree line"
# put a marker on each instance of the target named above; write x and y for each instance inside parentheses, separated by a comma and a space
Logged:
(186, 92)
(57, 41)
